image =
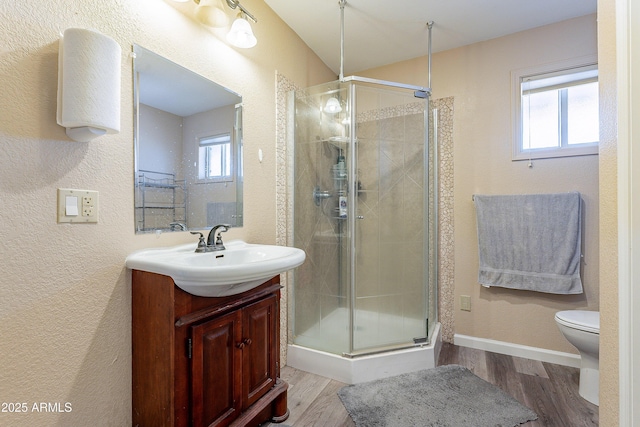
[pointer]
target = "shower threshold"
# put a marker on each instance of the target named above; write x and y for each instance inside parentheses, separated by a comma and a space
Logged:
(354, 370)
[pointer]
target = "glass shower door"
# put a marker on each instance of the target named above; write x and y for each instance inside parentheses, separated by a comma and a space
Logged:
(390, 301)
(321, 317)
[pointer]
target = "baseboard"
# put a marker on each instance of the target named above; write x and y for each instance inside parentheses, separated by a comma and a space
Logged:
(510, 349)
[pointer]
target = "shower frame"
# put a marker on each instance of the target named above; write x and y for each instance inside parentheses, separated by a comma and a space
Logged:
(430, 213)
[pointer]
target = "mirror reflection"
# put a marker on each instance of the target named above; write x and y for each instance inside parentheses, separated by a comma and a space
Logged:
(188, 148)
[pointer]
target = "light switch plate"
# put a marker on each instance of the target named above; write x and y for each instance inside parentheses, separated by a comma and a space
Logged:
(86, 209)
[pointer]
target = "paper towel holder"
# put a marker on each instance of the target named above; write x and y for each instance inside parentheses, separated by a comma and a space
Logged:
(88, 84)
(84, 133)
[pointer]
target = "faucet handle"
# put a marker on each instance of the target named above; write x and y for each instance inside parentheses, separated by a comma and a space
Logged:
(202, 245)
(223, 228)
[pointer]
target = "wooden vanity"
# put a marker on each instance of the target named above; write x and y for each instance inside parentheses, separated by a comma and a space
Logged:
(201, 361)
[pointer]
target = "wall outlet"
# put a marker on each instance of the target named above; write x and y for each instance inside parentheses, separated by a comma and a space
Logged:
(465, 302)
(77, 205)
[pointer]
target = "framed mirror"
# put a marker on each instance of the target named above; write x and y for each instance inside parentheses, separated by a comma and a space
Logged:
(188, 148)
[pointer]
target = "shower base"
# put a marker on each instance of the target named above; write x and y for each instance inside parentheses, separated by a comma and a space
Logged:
(368, 367)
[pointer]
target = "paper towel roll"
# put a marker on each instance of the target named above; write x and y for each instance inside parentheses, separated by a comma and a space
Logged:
(89, 82)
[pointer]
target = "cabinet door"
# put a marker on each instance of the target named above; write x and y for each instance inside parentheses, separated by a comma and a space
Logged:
(216, 371)
(260, 351)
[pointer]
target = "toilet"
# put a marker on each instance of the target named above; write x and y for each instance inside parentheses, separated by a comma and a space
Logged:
(582, 329)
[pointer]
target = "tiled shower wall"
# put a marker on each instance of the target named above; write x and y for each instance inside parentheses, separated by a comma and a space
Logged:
(444, 112)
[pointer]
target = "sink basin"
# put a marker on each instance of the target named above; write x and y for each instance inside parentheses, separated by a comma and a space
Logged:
(240, 267)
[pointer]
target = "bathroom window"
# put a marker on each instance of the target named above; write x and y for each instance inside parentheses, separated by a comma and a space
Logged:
(214, 158)
(556, 113)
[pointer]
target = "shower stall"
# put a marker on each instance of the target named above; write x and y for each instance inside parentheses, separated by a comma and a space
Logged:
(364, 210)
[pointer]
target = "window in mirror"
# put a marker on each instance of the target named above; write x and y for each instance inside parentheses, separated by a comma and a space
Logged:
(215, 158)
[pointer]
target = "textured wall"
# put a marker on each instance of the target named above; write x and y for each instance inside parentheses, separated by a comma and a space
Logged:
(609, 384)
(65, 312)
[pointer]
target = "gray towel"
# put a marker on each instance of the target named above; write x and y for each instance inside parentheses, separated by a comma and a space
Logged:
(530, 242)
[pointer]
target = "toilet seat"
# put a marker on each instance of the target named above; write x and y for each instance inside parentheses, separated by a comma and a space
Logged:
(583, 320)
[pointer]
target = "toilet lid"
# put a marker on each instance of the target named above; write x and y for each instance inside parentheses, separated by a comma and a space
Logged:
(584, 320)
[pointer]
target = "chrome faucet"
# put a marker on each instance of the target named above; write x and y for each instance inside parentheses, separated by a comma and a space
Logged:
(214, 243)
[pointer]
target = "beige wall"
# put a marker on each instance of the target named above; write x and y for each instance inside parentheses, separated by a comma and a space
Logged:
(479, 78)
(65, 311)
(609, 384)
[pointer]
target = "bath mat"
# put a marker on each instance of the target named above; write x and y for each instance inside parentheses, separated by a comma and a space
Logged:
(447, 396)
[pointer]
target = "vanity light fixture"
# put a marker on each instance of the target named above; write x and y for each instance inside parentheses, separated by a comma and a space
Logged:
(212, 14)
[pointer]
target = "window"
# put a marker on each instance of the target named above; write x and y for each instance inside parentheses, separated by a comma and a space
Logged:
(556, 112)
(215, 158)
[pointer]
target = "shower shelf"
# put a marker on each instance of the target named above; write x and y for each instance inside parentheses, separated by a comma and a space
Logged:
(336, 214)
(162, 200)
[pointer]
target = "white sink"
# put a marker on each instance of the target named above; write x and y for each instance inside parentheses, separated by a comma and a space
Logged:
(238, 268)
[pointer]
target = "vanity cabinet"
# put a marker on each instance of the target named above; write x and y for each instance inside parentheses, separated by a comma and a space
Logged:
(201, 361)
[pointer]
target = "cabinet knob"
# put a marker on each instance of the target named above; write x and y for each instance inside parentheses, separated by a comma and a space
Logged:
(240, 345)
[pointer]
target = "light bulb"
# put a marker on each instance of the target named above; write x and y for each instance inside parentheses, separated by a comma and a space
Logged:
(241, 34)
(211, 13)
(332, 106)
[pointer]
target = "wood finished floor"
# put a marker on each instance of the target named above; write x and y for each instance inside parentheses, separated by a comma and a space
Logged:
(551, 391)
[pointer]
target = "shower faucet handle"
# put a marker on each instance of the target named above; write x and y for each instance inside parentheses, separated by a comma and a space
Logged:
(320, 195)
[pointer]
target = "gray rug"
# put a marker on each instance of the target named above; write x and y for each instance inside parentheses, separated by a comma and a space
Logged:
(447, 396)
